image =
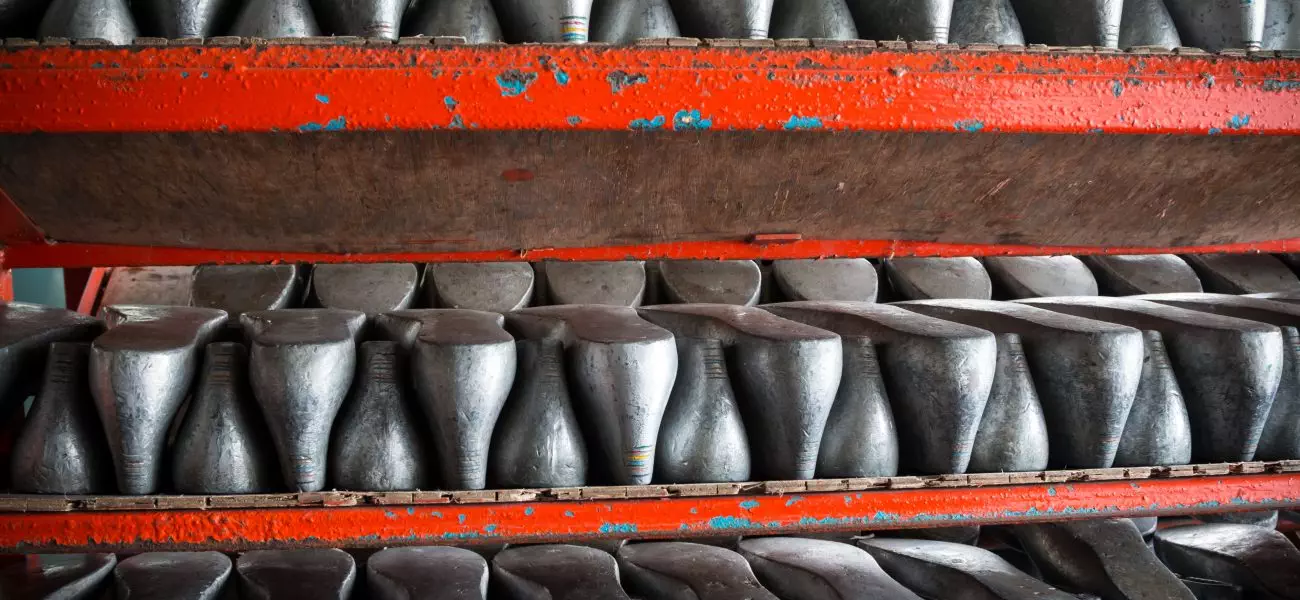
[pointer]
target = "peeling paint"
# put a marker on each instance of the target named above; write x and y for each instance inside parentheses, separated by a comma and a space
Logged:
(514, 83)
(618, 528)
(691, 120)
(969, 125)
(1238, 121)
(656, 122)
(803, 123)
(335, 124)
(619, 80)
(322, 98)
(749, 504)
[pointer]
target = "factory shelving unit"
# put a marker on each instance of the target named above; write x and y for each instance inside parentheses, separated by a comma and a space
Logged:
(341, 149)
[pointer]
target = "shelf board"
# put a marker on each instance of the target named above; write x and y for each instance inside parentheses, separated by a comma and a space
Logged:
(345, 85)
(340, 519)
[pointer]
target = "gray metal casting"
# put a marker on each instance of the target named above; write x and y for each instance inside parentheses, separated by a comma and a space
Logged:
(173, 576)
(301, 366)
(617, 283)
(1086, 372)
(556, 571)
(1205, 589)
(237, 289)
(938, 376)
(1040, 276)
(58, 577)
(814, 19)
(463, 364)
(183, 19)
(537, 442)
(621, 369)
(861, 437)
(1267, 519)
(108, 20)
(626, 21)
(986, 22)
(808, 569)
(731, 19)
(1013, 431)
(1071, 23)
(711, 281)
(474, 20)
(1104, 557)
(149, 285)
(223, 445)
(785, 373)
(1260, 560)
(492, 287)
(140, 374)
(1218, 24)
(702, 437)
(545, 21)
(369, 288)
(327, 574)
(380, 19)
(1159, 430)
(1128, 275)
(939, 278)
(1148, 23)
(826, 280)
(1243, 273)
(1228, 369)
(26, 331)
(1282, 25)
(1281, 437)
(909, 20)
(433, 573)
(61, 448)
(378, 441)
(943, 570)
(686, 570)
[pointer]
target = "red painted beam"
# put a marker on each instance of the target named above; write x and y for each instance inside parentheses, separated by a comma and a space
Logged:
(376, 526)
(101, 255)
(365, 87)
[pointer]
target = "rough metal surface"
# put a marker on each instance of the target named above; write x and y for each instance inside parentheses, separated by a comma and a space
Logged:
(185, 18)
(1072, 23)
(626, 21)
(173, 576)
(441, 573)
(688, 570)
(537, 442)
(1243, 273)
(302, 363)
(621, 369)
(463, 364)
(380, 19)
(1257, 559)
(1158, 430)
(939, 278)
(140, 374)
(1268, 519)
(223, 445)
(910, 20)
(711, 281)
(58, 576)
(702, 437)
(272, 19)
(940, 569)
(369, 288)
(89, 20)
(275, 574)
(149, 285)
(1105, 557)
(615, 283)
(559, 572)
(377, 441)
(1013, 431)
(1086, 372)
(938, 376)
(1228, 369)
(813, 19)
(1215, 25)
(985, 22)
(26, 330)
(1128, 275)
(807, 569)
(544, 21)
(724, 18)
(61, 448)
(1282, 28)
(493, 287)
(786, 375)
(1147, 23)
(237, 289)
(474, 20)
(830, 279)
(1040, 276)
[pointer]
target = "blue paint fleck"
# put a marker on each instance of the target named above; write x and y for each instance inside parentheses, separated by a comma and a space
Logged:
(574, 120)
(203, 75)
(461, 518)
(322, 98)
(1096, 130)
(749, 504)
(725, 523)
(1215, 131)
(648, 124)
(515, 83)
(185, 74)
(337, 124)
(568, 513)
(691, 120)
(798, 122)
(695, 511)
(436, 513)
(410, 510)
(618, 528)
(1117, 88)
(1238, 121)
(561, 76)
(1209, 80)
(390, 514)
(1051, 490)
(969, 125)
(450, 102)
(528, 511)
(794, 500)
(490, 528)
(457, 122)
(620, 80)
(1277, 85)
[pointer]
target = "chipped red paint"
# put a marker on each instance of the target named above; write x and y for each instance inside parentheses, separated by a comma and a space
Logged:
(549, 520)
(368, 87)
(99, 255)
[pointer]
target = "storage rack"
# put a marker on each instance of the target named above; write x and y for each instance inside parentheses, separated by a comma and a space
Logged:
(344, 150)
